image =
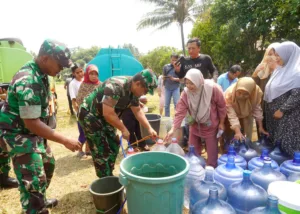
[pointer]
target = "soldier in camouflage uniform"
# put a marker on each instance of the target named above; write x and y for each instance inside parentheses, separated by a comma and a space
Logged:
(100, 115)
(23, 129)
(5, 180)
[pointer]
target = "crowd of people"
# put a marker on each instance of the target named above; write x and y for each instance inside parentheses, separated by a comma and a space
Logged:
(210, 108)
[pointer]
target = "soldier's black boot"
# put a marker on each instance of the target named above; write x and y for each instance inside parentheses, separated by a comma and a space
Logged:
(8, 182)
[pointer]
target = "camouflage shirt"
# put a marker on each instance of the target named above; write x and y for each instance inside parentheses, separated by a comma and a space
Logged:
(114, 92)
(27, 98)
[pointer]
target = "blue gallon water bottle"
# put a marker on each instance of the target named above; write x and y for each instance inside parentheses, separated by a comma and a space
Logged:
(213, 205)
(199, 191)
(228, 173)
(263, 143)
(278, 156)
(290, 166)
(246, 152)
(192, 153)
(245, 195)
(266, 174)
(294, 176)
(258, 162)
(195, 175)
(271, 208)
(239, 160)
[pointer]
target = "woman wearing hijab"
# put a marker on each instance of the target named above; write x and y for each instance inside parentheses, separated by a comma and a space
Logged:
(90, 82)
(262, 74)
(282, 97)
(243, 100)
(204, 101)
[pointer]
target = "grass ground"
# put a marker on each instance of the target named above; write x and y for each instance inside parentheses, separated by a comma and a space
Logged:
(72, 176)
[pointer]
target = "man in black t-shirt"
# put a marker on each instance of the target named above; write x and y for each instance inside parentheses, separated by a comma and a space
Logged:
(202, 62)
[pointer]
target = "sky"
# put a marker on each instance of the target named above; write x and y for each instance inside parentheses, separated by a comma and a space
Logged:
(84, 23)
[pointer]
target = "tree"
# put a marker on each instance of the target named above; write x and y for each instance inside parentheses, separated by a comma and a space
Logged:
(134, 50)
(232, 31)
(81, 56)
(171, 11)
(157, 58)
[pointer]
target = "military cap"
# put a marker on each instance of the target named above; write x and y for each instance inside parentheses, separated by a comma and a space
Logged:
(58, 51)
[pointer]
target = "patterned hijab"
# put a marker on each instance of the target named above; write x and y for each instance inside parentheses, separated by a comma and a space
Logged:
(88, 70)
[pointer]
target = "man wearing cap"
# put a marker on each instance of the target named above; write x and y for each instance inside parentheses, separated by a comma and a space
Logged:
(100, 114)
(23, 129)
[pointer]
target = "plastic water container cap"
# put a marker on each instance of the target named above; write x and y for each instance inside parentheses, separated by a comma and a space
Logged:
(130, 151)
(267, 160)
(246, 174)
(264, 153)
(174, 140)
(231, 150)
(296, 157)
(160, 141)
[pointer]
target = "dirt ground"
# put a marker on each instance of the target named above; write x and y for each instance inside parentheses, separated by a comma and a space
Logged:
(72, 175)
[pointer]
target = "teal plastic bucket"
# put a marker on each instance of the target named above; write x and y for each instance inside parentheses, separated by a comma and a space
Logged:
(108, 195)
(154, 182)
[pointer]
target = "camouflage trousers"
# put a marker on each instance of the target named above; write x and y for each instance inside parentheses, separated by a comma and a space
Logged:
(34, 172)
(102, 140)
(4, 162)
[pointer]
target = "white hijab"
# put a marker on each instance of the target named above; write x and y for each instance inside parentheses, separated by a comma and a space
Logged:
(287, 77)
(199, 101)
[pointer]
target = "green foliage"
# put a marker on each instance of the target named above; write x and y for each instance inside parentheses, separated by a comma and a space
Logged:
(80, 56)
(232, 31)
(157, 58)
(134, 50)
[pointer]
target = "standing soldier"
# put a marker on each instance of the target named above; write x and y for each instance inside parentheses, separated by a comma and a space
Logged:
(23, 129)
(100, 115)
(5, 180)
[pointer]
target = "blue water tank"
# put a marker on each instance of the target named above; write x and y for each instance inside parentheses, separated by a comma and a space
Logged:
(271, 208)
(116, 62)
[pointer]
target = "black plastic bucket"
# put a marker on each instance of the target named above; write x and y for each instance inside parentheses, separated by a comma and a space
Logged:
(108, 194)
(154, 120)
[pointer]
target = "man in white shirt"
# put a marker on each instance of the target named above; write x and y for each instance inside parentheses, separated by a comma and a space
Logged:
(75, 85)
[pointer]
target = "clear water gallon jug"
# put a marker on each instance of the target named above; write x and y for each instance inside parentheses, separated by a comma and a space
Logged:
(266, 174)
(258, 162)
(195, 175)
(290, 166)
(193, 153)
(278, 155)
(213, 205)
(271, 208)
(199, 191)
(262, 143)
(175, 148)
(228, 173)
(245, 195)
(239, 160)
(159, 146)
